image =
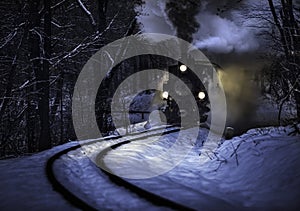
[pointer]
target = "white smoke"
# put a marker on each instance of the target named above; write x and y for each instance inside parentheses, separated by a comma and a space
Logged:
(229, 33)
(221, 35)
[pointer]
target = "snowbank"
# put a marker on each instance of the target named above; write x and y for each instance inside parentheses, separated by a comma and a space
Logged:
(257, 171)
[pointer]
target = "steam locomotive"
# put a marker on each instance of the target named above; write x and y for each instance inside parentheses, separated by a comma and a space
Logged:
(171, 109)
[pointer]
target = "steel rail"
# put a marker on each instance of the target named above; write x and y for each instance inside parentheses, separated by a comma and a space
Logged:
(80, 203)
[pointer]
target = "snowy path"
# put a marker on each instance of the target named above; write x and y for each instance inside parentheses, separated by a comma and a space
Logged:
(263, 175)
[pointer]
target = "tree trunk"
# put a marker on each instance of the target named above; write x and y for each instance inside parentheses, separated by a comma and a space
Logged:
(297, 99)
(279, 27)
(34, 49)
(102, 8)
(43, 82)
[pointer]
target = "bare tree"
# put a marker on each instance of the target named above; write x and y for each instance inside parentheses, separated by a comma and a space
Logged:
(286, 20)
(43, 46)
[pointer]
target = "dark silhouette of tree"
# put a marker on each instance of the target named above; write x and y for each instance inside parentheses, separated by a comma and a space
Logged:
(43, 81)
(286, 73)
(43, 47)
(102, 9)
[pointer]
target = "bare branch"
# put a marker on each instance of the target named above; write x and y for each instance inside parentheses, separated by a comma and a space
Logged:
(89, 14)
(235, 151)
(292, 89)
(11, 35)
(9, 86)
(85, 44)
(58, 4)
(60, 26)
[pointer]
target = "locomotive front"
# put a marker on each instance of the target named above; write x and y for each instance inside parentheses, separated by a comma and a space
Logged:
(174, 114)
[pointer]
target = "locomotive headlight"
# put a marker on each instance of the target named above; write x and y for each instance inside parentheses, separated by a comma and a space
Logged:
(165, 95)
(183, 68)
(201, 95)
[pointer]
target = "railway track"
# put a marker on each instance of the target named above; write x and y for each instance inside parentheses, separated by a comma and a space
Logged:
(80, 203)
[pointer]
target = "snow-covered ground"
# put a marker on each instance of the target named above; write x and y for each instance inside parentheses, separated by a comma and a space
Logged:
(258, 171)
(266, 171)
(24, 185)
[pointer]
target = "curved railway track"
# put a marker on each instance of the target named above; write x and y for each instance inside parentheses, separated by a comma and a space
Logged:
(80, 203)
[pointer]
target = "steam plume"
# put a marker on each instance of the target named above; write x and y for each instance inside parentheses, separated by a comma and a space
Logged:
(199, 23)
(220, 35)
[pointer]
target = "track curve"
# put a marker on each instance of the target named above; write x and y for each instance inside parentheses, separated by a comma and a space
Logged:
(80, 203)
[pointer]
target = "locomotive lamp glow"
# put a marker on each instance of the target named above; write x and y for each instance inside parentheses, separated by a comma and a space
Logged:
(189, 83)
(183, 68)
(201, 95)
(165, 95)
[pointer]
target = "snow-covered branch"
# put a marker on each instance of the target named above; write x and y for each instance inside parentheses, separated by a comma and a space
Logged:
(11, 35)
(85, 43)
(58, 4)
(60, 26)
(89, 14)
